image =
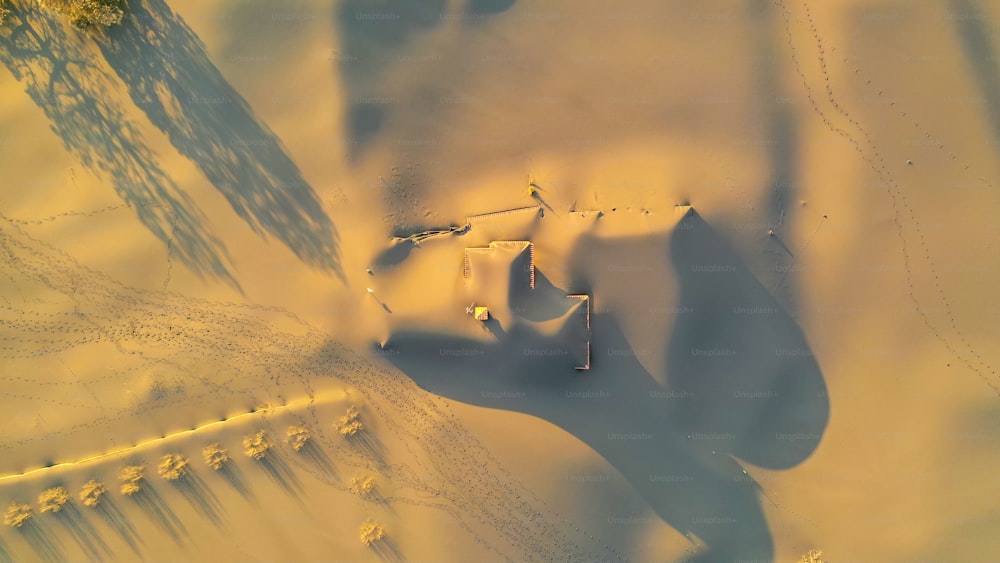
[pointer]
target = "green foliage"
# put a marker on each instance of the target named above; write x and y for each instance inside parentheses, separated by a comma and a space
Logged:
(88, 13)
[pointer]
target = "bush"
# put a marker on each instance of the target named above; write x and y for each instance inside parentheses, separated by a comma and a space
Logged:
(91, 493)
(814, 556)
(256, 446)
(362, 485)
(350, 424)
(370, 532)
(172, 467)
(131, 477)
(88, 13)
(298, 437)
(215, 456)
(53, 500)
(17, 514)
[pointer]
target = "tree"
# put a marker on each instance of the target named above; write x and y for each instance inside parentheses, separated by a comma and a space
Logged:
(88, 13)
(363, 486)
(215, 456)
(370, 532)
(350, 424)
(53, 500)
(298, 437)
(814, 556)
(256, 446)
(4, 11)
(17, 514)
(131, 477)
(173, 467)
(91, 493)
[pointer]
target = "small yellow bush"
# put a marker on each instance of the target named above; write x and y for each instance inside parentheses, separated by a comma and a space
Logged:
(370, 532)
(362, 485)
(350, 424)
(53, 500)
(91, 493)
(814, 556)
(256, 446)
(298, 437)
(131, 477)
(172, 467)
(215, 456)
(17, 514)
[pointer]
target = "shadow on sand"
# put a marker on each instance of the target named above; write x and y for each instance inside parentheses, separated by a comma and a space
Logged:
(63, 79)
(317, 459)
(369, 443)
(200, 497)
(279, 471)
(978, 43)
(387, 551)
(171, 78)
(83, 533)
(371, 44)
(159, 512)
(40, 538)
(113, 517)
(740, 382)
(234, 476)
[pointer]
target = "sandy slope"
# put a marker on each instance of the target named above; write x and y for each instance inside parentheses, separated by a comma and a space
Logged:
(191, 203)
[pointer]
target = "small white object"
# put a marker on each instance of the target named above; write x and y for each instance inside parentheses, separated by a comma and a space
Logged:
(370, 290)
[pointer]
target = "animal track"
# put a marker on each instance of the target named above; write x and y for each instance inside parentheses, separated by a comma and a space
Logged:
(902, 210)
(209, 351)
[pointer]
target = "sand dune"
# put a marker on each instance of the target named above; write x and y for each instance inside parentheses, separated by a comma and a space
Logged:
(765, 229)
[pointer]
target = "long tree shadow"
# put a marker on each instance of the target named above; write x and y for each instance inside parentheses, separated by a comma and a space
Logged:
(981, 54)
(150, 501)
(319, 461)
(740, 382)
(83, 533)
(170, 77)
(779, 133)
(116, 520)
(279, 471)
(234, 476)
(42, 541)
(374, 34)
(199, 496)
(64, 80)
(387, 550)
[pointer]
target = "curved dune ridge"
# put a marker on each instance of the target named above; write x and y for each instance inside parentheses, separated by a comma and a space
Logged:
(121, 452)
(387, 280)
(268, 344)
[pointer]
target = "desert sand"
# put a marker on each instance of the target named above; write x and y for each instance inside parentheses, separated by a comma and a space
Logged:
(738, 265)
